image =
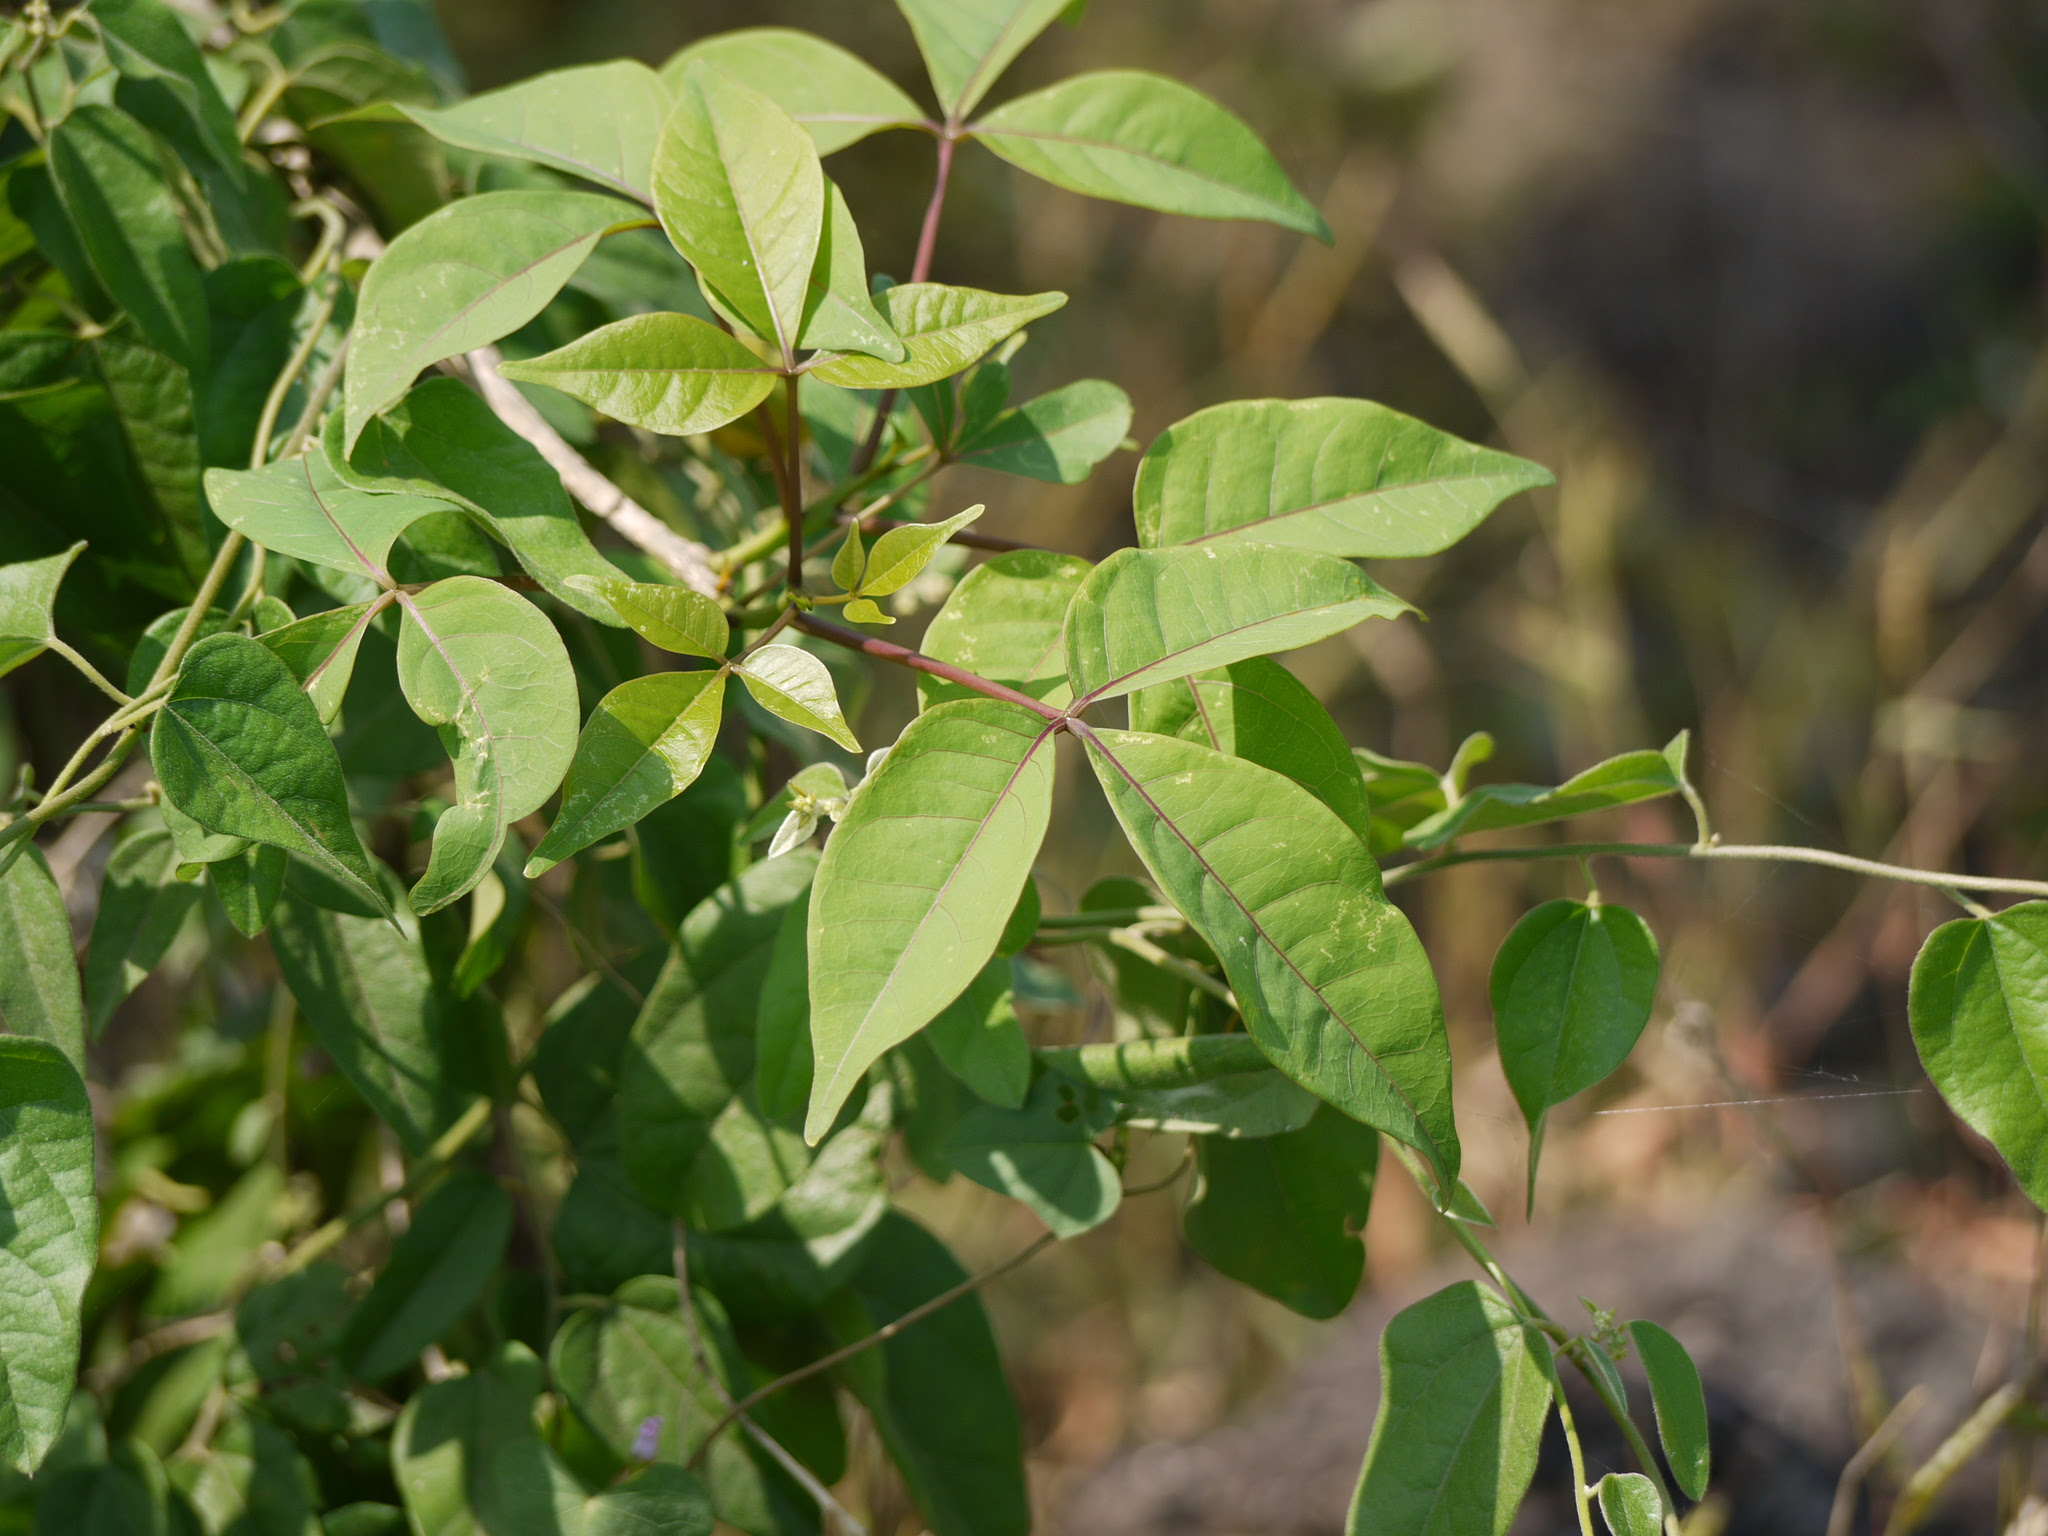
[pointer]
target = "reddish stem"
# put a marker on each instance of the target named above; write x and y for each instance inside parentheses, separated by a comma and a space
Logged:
(917, 661)
(920, 269)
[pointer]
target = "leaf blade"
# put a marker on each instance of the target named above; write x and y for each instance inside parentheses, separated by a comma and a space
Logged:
(838, 97)
(1680, 1403)
(792, 683)
(967, 44)
(596, 121)
(943, 330)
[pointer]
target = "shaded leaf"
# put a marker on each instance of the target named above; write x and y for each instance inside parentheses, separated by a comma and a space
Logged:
(1680, 1403)
(979, 1039)
(1004, 622)
(1058, 437)
(667, 373)
(1148, 616)
(943, 330)
(142, 906)
(248, 885)
(1402, 794)
(918, 881)
(1623, 780)
(39, 989)
(321, 652)
(782, 1029)
(149, 45)
(967, 44)
(438, 1267)
(1465, 1389)
(795, 685)
(837, 96)
(450, 1434)
(152, 398)
(595, 121)
(1231, 1106)
(1140, 138)
(1044, 1153)
(576, 1063)
(1334, 985)
(677, 619)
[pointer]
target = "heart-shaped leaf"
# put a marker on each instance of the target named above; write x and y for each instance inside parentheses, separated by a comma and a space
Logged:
(28, 599)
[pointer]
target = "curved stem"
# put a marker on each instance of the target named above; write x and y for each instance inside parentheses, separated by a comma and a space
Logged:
(1582, 1499)
(91, 673)
(917, 661)
(920, 270)
(273, 403)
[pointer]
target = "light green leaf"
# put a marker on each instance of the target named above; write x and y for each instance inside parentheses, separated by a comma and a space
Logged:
(241, 750)
(1140, 138)
(1622, 780)
(675, 618)
(461, 278)
(664, 372)
(1003, 622)
(740, 192)
(691, 1055)
(1057, 437)
(936, 1392)
(442, 440)
(1148, 616)
(979, 1039)
(52, 1220)
(1572, 989)
(1044, 1153)
(838, 313)
(782, 1028)
(795, 685)
(1334, 985)
(1979, 1010)
(321, 651)
(1629, 1504)
(839, 98)
(163, 67)
(918, 881)
(596, 121)
(1680, 1403)
(366, 993)
(901, 553)
(850, 560)
(437, 1268)
(142, 906)
(644, 744)
(301, 508)
(1343, 477)
(39, 995)
(248, 885)
(1257, 710)
(1283, 1213)
(943, 330)
(863, 610)
(967, 44)
(28, 598)
(106, 170)
(1464, 1392)
(486, 667)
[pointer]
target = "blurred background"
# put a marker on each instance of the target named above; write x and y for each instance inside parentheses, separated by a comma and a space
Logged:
(1762, 281)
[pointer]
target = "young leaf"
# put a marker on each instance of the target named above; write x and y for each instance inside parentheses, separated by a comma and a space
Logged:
(1333, 983)
(437, 1268)
(979, 1039)
(837, 310)
(39, 995)
(1680, 1403)
(164, 77)
(248, 886)
(1058, 437)
(486, 664)
(1148, 616)
(1572, 988)
(644, 744)
(142, 906)
(850, 561)
(1979, 1009)
(863, 610)
(52, 1221)
(917, 883)
(106, 170)
(794, 685)
(967, 44)
(241, 750)
(1044, 1153)
(1139, 138)
(904, 551)
(1257, 710)
(1004, 622)
(596, 121)
(442, 440)
(28, 597)
(937, 1392)
(461, 278)
(368, 997)
(838, 97)
(677, 619)
(1283, 1213)
(740, 192)
(1464, 1392)
(301, 508)
(692, 1049)
(943, 331)
(782, 1030)
(321, 651)
(1402, 794)
(1622, 780)
(667, 373)
(1342, 477)
(1629, 1504)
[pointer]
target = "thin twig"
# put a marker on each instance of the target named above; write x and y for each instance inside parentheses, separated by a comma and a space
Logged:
(1138, 943)
(920, 269)
(161, 1341)
(1917, 1498)
(917, 661)
(1868, 1455)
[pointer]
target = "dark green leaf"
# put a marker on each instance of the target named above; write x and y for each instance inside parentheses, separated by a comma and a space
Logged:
(142, 906)
(837, 97)
(918, 881)
(1141, 138)
(576, 1064)
(967, 44)
(128, 1495)
(149, 45)
(1681, 1406)
(1058, 437)
(39, 996)
(107, 172)
(683, 851)
(1464, 1391)
(438, 1267)
(241, 750)
(667, 373)
(28, 597)
(661, 1501)
(155, 642)
(1264, 1102)
(51, 1218)
(604, 1234)
(979, 1039)
(1283, 1214)
(249, 885)
(152, 399)
(321, 652)
(250, 1481)
(256, 310)
(943, 330)
(1342, 477)
(1145, 617)
(1334, 985)
(596, 121)
(451, 1433)
(1622, 780)
(1044, 1154)
(783, 1023)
